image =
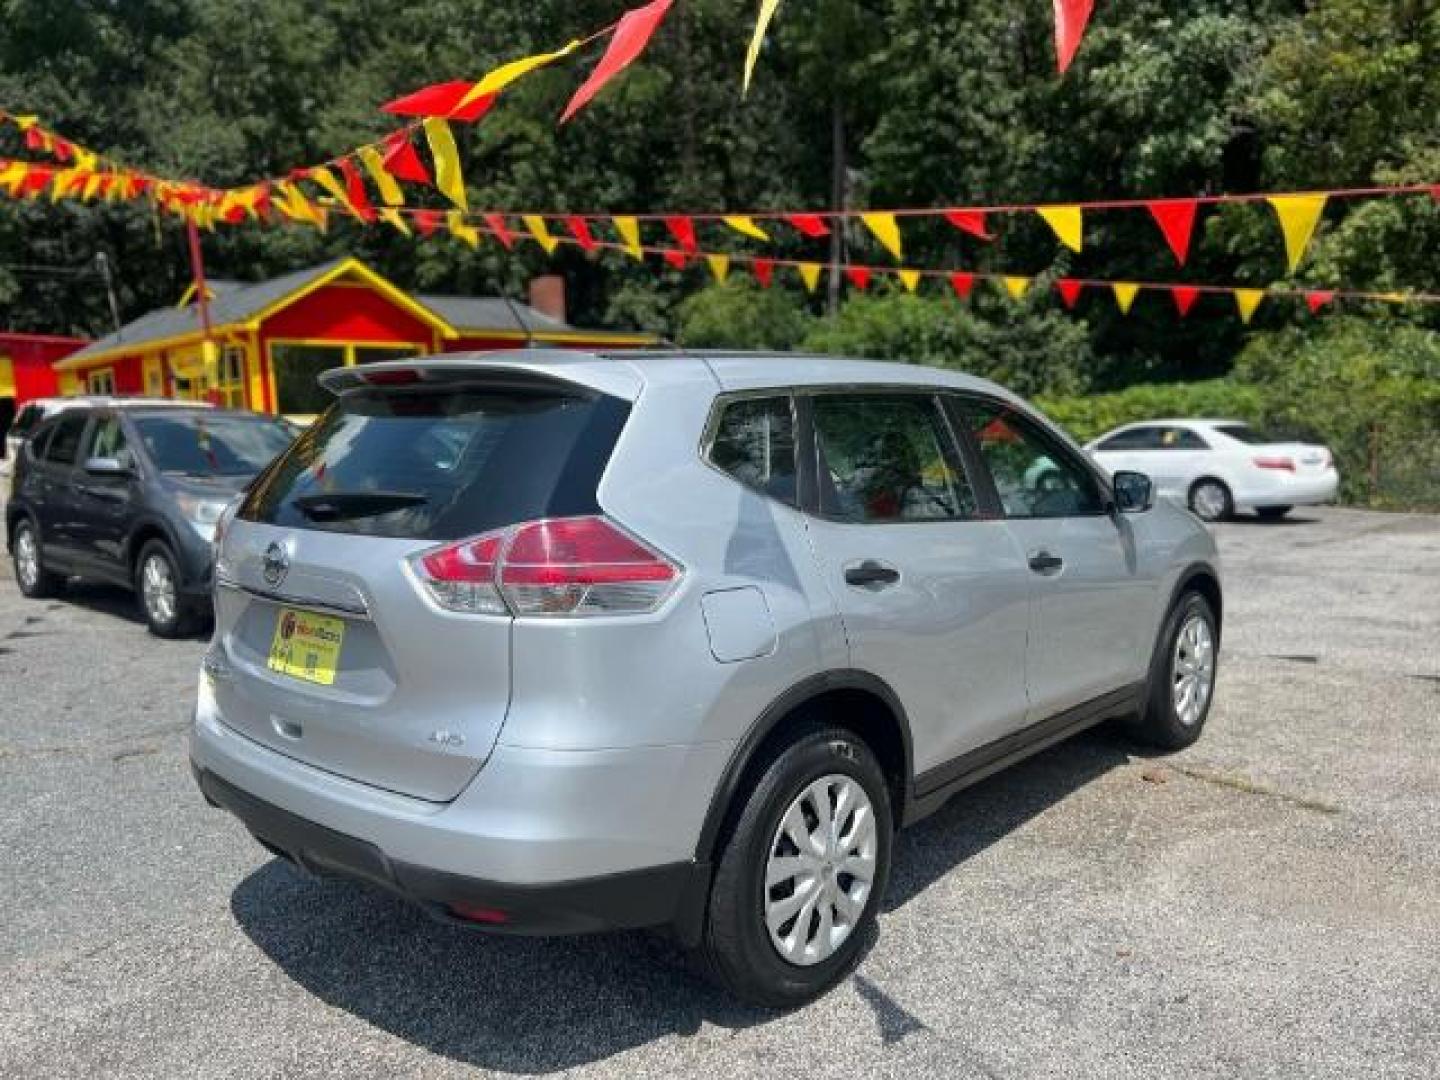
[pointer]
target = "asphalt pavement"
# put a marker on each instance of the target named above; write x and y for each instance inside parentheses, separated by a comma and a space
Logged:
(1265, 904)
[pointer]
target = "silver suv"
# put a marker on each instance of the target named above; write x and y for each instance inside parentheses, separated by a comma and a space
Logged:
(548, 642)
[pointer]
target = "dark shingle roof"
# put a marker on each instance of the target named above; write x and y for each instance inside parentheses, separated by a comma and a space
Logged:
(490, 313)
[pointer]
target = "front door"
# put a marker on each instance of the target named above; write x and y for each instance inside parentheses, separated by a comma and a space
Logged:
(104, 501)
(933, 596)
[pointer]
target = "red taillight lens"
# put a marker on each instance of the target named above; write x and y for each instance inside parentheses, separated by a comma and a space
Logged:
(560, 566)
(1283, 463)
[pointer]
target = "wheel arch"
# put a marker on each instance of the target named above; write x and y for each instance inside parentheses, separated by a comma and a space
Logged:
(1200, 577)
(145, 530)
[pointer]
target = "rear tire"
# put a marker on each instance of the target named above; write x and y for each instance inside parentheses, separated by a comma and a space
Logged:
(1272, 513)
(157, 586)
(1181, 687)
(748, 922)
(1210, 500)
(34, 580)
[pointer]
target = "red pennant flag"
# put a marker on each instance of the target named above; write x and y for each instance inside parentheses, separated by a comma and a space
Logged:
(1184, 297)
(764, 271)
(1069, 290)
(1316, 299)
(234, 215)
(1071, 17)
(427, 221)
(962, 283)
(812, 225)
(497, 226)
(34, 139)
(628, 42)
(63, 149)
(1435, 192)
(859, 276)
(401, 160)
(675, 257)
(1176, 218)
(683, 230)
(580, 229)
(443, 100)
(969, 221)
(36, 179)
(355, 191)
(262, 201)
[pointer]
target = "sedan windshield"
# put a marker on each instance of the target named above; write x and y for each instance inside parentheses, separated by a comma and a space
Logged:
(218, 445)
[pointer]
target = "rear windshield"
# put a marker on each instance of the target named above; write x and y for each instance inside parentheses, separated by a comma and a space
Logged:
(202, 445)
(442, 464)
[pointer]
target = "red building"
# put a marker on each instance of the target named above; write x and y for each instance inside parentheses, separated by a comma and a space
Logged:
(268, 341)
(25, 369)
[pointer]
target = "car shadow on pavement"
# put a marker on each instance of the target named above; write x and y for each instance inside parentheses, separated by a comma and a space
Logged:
(538, 1005)
(1270, 523)
(105, 599)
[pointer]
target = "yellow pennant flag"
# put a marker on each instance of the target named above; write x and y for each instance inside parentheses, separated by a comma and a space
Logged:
(536, 224)
(394, 217)
(84, 160)
(810, 275)
(1016, 286)
(448, 177)
(390, 193)
(505, 74)
(322, 175)
(455, 222)
(294, 205)
(1125, 292)
(1066, 222)
(629, 230)
(12, 175)
(25, 123)
(719, 267)
(910, 279)
(64, 184)
(92, 187)
(1247, 300)
(746, 227)
(762, 24)
(1298, 214)
(885, 229)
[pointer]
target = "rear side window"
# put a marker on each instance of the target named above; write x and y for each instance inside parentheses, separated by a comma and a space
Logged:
(754, 442)
(64, 445)
(442, 465)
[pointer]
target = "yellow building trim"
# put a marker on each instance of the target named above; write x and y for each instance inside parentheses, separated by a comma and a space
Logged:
(352, 266)
(598, 338)
(7, 378)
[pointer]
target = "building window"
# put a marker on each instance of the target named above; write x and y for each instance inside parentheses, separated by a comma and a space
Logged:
(230, 379)
(297, 367)
(101, 381)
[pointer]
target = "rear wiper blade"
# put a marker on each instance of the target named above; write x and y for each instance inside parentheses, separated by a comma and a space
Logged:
(346, 505)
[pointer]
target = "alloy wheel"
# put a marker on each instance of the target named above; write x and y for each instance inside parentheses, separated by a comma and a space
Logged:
(1209, 502)
(1192, 672)
(27, 558)
(157, 588)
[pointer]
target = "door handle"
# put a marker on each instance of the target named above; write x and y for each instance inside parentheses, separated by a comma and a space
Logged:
(871, 573)
(1042, 562)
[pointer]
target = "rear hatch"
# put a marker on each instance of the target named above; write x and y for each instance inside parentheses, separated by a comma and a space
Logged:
(333, 653)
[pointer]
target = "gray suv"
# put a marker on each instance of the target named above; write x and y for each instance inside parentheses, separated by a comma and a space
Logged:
(548, 642)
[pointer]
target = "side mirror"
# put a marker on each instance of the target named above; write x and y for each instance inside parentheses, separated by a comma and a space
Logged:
(1134, 493)
(106, 466)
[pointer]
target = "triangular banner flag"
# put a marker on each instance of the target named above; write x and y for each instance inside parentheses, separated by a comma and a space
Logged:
(1298, 214)
(859, 276)
(498, 229)
(629, 230)
(962, 282)
(628, 42)
(1184, 297)
(427, 221)
(390, 214)
(455, 222)
(1071, 17)
(448, 178)
(675, 257)
(1069, 290)
(764, 271)
(1176, 218)
(683, 230)
(355, 190)
(746, 227)
(505, 74)
(810, 275)
(541, 232)
(1316, 299)
(969, 221)
(1016, 286)
(390, 193)
(401, 160)
(752, 54)
(580, 229)
(1247, 300)
(1066, 222)
(446, 100)
(885, 229)
(719, 267)
(1125, 293)
(910, 279)
(812, 225)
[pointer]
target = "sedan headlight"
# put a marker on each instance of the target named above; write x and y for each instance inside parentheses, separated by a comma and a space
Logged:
(202, 513)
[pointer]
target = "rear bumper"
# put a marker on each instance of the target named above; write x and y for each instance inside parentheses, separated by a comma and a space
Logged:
(1283, 489)
(663, 894)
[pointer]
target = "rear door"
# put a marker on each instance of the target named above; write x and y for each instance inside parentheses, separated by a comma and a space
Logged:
(332, 651)
(933, 596)
(53, 491)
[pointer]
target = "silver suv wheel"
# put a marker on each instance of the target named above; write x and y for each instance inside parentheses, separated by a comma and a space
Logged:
(820, 870)
(1192, 671)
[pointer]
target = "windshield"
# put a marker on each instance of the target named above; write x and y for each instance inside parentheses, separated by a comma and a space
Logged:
(220, 445)
(1247, 434)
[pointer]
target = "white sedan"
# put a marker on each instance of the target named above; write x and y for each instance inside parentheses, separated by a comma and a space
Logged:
(1219, 466)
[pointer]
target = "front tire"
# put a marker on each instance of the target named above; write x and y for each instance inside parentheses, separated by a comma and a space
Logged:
(1182, 676)
(801, 877)
(1210, 500)
(34, 580)
(157, 584)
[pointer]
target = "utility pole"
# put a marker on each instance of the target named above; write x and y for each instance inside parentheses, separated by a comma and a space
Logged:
(102, 264)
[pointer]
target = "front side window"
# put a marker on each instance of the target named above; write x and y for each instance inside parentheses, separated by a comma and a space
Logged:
(64, 445)
(888, 458)
(755, 443)
(1035, 475)
(107, 440)
(1179, 438)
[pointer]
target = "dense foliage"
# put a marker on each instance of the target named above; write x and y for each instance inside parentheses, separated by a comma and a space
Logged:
(875, 102)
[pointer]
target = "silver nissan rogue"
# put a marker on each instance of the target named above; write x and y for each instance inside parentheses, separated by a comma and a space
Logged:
(552, 642)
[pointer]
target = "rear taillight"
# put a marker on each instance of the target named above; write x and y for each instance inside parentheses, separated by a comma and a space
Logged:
(559, 566)
(1283, 463)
